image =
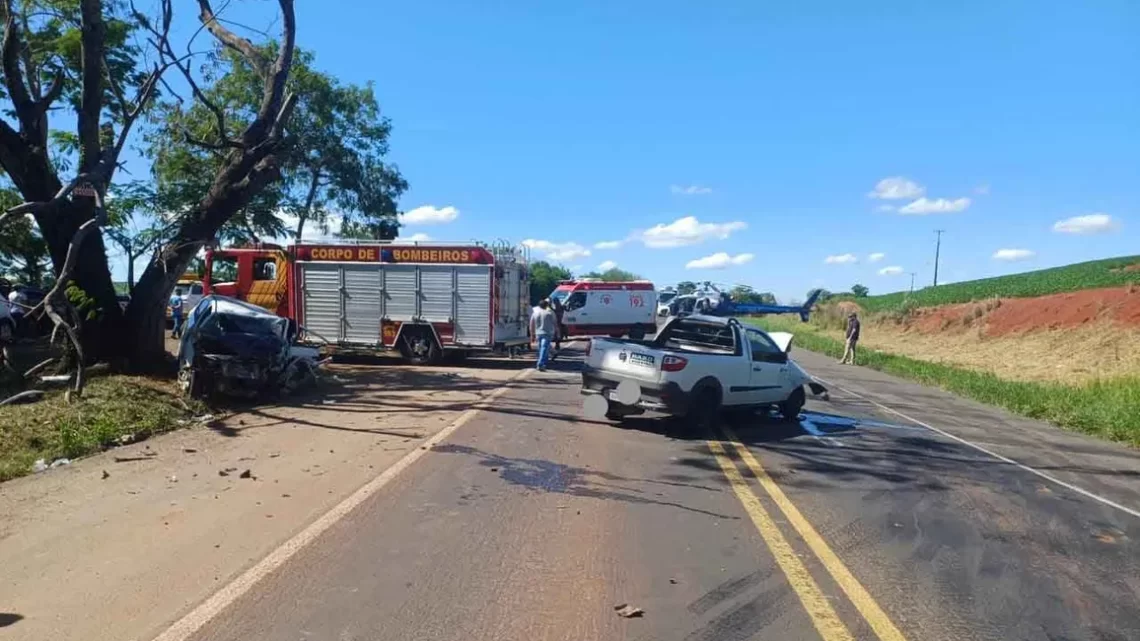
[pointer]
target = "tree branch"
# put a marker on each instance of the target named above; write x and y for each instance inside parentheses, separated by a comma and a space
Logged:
(92, 34)
(233, 41)
(25, 107)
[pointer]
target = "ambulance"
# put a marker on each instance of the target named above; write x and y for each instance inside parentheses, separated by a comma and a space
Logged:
(425, 300)
(607, 308)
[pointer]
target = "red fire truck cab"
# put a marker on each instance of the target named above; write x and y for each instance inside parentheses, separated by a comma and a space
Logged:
(422, 299)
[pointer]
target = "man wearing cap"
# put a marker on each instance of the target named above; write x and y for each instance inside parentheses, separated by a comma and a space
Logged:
(852, 339)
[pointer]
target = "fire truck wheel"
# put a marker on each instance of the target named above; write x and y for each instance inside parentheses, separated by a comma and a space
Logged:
(637, 333)
(419, 347)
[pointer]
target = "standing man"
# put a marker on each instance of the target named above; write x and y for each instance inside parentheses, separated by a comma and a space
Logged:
(543, 328)
(852, 339)
(176, 312)
(560, 330)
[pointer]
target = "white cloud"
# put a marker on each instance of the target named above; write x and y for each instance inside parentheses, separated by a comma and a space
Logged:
(1013, 254)
(690, 190)
(885, 208)
(982, 190)
(688, 231)
(609, 244)
(876, 257)
(719, 260)
(1087, 224)
(429, 215)
(418, 238)
(841, 259)
(893, 270)
(557, 251)
(606, 265)
(924, 206)
(896, 188)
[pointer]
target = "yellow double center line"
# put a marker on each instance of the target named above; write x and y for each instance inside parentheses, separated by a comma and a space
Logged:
(822, 614)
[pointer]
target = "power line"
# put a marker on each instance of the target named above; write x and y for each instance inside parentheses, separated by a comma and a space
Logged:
(937, 248)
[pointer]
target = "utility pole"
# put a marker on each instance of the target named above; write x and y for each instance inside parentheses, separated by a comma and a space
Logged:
(937, 248)
(912, 275)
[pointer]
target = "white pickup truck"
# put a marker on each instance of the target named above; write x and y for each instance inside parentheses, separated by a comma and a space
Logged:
(696, 367)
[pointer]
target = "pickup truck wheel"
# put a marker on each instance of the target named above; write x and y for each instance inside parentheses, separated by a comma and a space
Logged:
(791, 407)
(705, 410)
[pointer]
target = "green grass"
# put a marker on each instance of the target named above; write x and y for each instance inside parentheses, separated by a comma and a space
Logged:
(1108, 409)
(112, 406)
(1070, 278)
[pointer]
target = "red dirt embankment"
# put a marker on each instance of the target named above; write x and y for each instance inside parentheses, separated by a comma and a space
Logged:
(1000, 317)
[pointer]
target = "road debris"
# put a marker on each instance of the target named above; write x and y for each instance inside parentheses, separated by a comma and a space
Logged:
(172, 479)
(29, 396)
(246, 475)
(126, 439)
(275, 455)
(39, 466)
(106, 475)
(60, 462)
(672, 581)
(190, 450)
(627, 611)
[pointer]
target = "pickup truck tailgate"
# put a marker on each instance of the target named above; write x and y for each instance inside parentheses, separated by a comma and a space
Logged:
(628, 360)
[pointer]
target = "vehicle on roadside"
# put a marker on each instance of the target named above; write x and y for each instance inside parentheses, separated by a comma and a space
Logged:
(234, 348)
(7, 322)
(124, 301)
(192, 292)
(697, 367)
(426, 300)
(663, 298)
(607, 308)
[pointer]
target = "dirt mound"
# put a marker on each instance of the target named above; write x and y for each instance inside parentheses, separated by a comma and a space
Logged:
(1134, 267)
(1001, 317)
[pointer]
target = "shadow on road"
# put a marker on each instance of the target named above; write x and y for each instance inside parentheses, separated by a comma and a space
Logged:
(548, 476)
(9, 618)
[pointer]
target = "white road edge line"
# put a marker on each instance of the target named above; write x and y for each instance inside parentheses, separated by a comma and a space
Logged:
(1004, 459)
(213, 606)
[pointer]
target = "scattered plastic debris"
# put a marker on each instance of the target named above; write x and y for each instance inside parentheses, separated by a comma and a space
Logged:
(246, 475)
(106, 475)
(60, 462)
(126, 439)
(172, 478)
(673, 581)
(190, 450)
(39, 466)
(627, 611)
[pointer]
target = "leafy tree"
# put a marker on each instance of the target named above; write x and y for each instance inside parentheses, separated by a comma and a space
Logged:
(686, 287)
(613, 274)
(331, 157)
(745, 294)
(81, 56)
(23, 253)
(130, 226)
(544, 278)
(860, 291)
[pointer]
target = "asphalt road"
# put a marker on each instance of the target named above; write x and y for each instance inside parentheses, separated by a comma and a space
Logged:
(890, 512)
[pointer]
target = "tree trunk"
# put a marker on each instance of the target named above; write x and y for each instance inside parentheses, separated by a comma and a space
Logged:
(314, 184)
(100, 335)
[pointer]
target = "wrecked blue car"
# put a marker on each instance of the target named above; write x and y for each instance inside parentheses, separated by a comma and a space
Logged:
(233, 348)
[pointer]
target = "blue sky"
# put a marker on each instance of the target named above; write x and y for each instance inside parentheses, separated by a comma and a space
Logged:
(571, 124)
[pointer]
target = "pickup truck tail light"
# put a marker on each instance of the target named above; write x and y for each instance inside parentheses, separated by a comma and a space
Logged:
(673, 363)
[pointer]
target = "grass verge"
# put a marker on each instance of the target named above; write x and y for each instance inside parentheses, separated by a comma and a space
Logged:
(112, 406)
(1107, 408)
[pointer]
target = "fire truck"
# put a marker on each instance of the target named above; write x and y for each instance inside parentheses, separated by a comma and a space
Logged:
(423, 299)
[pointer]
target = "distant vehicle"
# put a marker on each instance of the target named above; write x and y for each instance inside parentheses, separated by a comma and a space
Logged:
(713, 302)
(192, 292)
(124, 300)
(7, 322)
(607, 308)
(696, 367)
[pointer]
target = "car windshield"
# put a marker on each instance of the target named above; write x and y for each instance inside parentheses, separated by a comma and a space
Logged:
(665, 297)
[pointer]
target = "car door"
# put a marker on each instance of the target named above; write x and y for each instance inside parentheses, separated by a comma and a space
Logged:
(769, 366)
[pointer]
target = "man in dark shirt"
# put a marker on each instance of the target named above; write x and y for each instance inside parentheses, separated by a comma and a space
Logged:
(852, 339)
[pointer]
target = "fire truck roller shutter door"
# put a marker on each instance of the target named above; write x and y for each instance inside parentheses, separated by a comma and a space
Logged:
(437, 293)
(400, 292)
(473, 305)
(320, 299)
(362, 303)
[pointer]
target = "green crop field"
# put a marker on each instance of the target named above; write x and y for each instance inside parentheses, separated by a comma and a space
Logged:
(1098, 273)
(1104, 408)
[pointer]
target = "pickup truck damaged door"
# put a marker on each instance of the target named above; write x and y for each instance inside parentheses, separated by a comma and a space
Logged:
(769, 362)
